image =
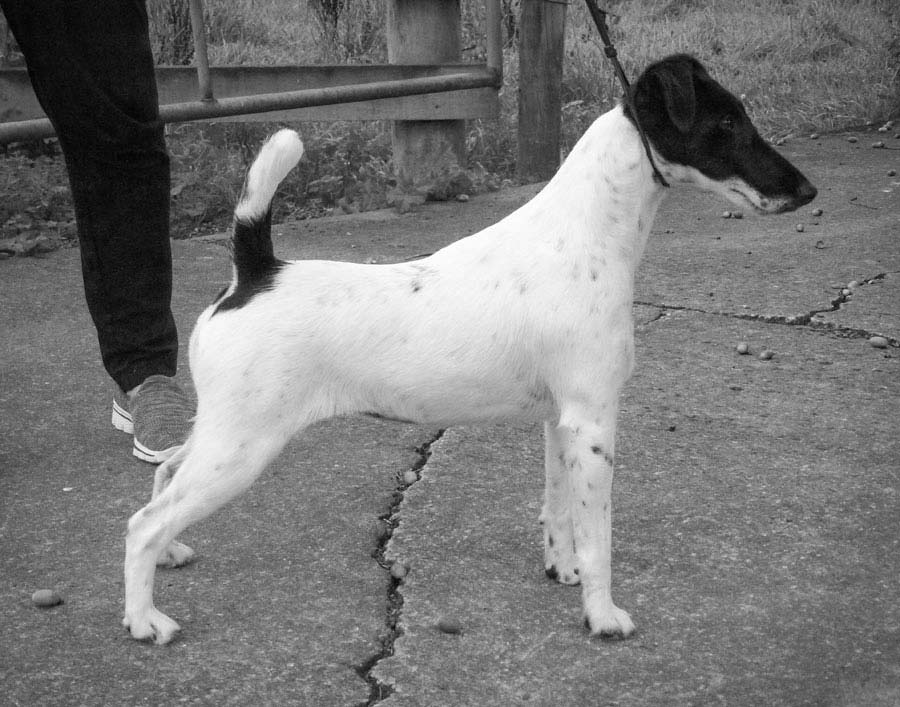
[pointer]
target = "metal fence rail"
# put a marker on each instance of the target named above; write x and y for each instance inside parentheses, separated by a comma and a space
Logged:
(208, 107)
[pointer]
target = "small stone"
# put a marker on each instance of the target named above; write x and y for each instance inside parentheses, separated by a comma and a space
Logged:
(410, 477)
(726, 214)
(852, 285)
(878, 342)
(737, 214)
(462, 197)
(399, 570)
(817, 212)
(800, 228)
(46, 598)
(447, 624)
(892, 172)
(852, 138)
(814, 136)
(743, 348)
(878, 144)
(766, 355)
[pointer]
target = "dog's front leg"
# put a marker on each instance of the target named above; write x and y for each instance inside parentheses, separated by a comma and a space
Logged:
(560, 562)
(589, 444)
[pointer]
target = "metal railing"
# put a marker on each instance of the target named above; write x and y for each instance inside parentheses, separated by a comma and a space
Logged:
(208, 107)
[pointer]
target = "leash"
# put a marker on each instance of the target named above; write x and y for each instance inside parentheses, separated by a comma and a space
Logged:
(599, 17)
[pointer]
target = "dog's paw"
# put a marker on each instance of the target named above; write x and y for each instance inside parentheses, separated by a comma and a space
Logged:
(176, 554)
(610, 622)
(151, 626)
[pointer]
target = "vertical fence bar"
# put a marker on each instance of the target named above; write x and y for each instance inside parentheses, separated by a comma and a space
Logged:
(425, 32)
(541, 39)
(494, 38)
(201, 58)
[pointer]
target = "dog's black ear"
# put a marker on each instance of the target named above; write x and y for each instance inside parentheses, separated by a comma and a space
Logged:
(672, 80)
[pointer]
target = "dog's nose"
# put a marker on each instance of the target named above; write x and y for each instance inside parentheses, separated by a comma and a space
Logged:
(806, 192)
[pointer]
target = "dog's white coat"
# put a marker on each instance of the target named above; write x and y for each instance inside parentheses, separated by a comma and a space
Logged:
(530, 318)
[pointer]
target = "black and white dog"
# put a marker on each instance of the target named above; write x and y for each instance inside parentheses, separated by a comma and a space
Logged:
(530, 318)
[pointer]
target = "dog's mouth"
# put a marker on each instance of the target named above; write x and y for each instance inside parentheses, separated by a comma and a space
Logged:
(762, 204)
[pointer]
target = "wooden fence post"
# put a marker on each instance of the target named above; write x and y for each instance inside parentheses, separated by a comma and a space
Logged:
(541, 47)
(425, 32)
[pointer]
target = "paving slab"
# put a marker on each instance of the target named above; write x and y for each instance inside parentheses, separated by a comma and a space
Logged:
(756, 503)
(755, 539)
(764, 266)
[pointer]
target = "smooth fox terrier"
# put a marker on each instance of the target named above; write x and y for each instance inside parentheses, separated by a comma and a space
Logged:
(530, 318)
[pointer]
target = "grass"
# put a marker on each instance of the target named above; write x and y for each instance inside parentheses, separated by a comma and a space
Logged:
(800, 65)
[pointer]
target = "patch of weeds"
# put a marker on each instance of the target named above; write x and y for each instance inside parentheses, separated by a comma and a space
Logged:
(36, 214)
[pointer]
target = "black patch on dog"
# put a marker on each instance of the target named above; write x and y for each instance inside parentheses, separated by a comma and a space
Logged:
(601, 452)
(693, 121)
(552, 573)
(254, 261)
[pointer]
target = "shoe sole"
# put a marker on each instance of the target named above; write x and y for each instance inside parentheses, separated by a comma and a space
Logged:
(122, 421)
(121, 418)
(148, 455)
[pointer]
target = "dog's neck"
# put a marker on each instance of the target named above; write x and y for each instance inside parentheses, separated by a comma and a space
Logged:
(606, 187)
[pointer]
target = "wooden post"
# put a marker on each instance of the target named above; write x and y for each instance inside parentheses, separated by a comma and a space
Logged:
(425, 32)
(541, 45)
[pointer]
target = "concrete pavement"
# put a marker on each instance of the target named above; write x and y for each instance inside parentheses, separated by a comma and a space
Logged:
(756, 505)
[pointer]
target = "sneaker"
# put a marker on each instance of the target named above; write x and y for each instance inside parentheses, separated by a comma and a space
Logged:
(159, 416)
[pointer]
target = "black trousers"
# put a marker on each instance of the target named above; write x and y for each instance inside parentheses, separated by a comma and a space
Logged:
(91, 68)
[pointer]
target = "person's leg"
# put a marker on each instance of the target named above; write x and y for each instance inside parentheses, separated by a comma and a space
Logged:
(92, 70)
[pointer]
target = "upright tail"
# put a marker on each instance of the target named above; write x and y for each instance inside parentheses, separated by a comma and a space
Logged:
(255, 264)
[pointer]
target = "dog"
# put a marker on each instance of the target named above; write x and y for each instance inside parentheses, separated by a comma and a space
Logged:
(530, 318)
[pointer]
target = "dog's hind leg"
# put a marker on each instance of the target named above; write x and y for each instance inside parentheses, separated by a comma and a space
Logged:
(560, 562)
(215, 469)
(588, 441)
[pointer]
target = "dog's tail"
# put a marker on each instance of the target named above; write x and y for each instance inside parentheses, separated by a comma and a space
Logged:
(255, 264)
(253, 216)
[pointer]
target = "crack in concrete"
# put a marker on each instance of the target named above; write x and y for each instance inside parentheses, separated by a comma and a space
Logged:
(845, 295)
(378, 690)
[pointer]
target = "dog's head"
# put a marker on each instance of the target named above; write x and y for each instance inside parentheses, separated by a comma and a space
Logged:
(704, 137)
